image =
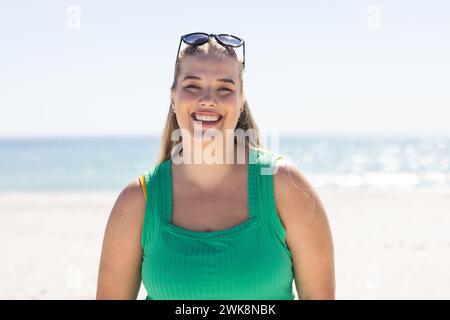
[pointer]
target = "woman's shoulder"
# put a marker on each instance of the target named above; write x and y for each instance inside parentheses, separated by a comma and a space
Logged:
(295, 196)
(129, 206)
(131, 194)
(287, 174)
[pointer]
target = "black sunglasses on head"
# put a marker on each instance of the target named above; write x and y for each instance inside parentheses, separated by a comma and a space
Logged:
(199, 38)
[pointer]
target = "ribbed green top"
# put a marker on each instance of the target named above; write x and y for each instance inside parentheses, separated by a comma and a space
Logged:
(247, 261)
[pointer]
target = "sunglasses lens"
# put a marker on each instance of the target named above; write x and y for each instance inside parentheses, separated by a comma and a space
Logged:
(196, 38)
(230, 40)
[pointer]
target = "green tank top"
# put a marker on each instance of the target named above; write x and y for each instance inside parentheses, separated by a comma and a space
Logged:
(249, 261)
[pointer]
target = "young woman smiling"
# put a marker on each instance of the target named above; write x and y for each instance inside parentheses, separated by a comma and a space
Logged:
(222, 230)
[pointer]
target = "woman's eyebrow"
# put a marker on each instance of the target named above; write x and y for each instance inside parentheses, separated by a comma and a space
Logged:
(189, 77)
(226, 80)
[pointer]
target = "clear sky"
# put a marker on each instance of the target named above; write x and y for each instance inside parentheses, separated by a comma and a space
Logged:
(346, 67)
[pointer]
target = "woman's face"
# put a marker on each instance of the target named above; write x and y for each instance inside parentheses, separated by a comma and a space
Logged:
(208, 88)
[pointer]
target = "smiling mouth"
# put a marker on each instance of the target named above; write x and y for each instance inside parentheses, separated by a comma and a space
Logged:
(206, 120)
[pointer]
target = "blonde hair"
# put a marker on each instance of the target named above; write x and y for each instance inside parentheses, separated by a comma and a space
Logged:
(245, 121)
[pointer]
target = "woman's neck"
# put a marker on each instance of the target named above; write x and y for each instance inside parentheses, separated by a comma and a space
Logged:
(213, 176)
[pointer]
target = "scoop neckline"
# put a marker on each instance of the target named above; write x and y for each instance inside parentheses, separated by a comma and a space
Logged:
(248, 224)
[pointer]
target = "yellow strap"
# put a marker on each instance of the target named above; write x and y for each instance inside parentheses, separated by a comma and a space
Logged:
(142, 183)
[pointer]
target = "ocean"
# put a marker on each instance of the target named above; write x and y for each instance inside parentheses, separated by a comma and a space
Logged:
(328, 162)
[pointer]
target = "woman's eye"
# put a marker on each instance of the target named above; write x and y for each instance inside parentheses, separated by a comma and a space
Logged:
(223, 89)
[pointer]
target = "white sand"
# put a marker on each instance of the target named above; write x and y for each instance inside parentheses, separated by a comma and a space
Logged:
(387, 245)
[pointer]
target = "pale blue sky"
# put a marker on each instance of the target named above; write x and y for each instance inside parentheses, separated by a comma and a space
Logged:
(312, 66)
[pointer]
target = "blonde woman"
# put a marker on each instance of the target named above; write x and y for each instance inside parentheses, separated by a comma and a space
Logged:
(200, 229)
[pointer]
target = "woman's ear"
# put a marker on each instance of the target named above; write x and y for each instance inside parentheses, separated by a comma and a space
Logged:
(172, 103)
(172, 93)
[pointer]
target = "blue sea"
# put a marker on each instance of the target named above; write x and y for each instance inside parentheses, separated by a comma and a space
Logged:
(109, 163)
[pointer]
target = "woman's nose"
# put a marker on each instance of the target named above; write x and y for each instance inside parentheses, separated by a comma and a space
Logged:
(207, 98)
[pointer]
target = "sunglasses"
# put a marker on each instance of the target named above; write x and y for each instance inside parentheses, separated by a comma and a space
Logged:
(199, 38)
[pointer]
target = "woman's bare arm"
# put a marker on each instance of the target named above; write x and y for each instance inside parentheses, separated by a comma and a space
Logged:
(308, 233)
(119, 275)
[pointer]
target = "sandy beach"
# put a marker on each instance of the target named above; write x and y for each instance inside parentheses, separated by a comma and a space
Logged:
(388, 245)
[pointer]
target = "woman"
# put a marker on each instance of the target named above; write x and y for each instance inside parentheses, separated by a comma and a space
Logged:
(192, 228)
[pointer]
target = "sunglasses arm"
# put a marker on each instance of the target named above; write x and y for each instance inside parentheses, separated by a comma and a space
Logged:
(178, 51)
(243, 50)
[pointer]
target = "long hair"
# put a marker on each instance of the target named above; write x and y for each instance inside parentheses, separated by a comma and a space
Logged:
(245, 121)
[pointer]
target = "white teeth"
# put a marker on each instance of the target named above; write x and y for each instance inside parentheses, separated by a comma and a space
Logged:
(202, 117)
